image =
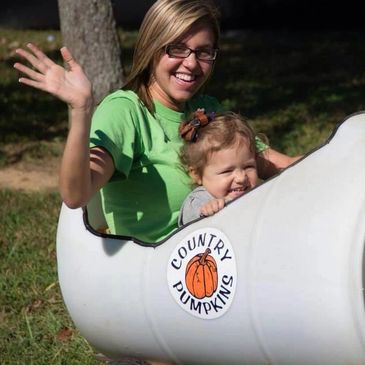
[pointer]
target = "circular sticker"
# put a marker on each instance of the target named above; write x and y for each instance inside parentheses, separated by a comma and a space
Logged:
(201, 273)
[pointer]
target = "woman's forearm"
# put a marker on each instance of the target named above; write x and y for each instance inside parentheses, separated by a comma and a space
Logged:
(83, 170)
(270, 162)
(75, 175)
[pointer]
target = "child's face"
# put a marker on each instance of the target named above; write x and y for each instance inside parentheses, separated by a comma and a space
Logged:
(229, 172)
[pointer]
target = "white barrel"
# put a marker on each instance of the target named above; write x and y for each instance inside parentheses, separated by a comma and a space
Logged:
(288, 285)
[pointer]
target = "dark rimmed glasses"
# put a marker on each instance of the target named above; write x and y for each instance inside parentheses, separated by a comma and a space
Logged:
(180, 51)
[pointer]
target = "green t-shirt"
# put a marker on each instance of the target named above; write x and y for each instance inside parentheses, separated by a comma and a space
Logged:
(144, 196)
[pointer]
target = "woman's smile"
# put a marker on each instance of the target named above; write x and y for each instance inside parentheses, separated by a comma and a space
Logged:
(185, 77)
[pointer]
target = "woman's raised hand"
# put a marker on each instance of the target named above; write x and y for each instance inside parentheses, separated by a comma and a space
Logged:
(69, 84)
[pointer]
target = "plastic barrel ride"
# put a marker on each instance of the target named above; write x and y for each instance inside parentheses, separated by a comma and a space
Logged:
(275, 278)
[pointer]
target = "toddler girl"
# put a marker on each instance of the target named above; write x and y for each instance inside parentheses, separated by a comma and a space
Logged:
(219, 154)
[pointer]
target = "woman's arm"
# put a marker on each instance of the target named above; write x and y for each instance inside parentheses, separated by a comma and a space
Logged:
(271, 162)
(82, 171)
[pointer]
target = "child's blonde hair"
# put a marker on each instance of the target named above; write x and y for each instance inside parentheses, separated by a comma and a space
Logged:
(223, 131)
(164, 23)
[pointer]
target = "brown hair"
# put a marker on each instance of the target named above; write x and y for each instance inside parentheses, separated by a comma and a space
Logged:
(164, 23)
(222, 132)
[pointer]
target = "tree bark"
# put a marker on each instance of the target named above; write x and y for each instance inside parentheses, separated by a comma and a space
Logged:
(89, 30)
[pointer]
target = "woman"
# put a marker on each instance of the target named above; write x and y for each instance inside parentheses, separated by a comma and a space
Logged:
(133, 152)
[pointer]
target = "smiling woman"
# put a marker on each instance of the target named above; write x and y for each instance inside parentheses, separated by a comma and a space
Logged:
(129, 146)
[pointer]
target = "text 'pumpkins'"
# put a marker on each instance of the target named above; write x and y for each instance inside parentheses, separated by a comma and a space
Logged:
(201, 276)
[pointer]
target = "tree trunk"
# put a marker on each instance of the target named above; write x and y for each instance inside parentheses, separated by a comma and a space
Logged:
(89, 31)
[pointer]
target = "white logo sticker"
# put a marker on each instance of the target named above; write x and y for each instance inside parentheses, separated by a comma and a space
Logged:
(202, 274)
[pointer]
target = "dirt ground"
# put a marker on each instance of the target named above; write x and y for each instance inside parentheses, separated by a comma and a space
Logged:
(40, 175)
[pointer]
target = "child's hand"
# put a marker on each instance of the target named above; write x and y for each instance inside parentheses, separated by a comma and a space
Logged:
(70, 85)
(212, 207)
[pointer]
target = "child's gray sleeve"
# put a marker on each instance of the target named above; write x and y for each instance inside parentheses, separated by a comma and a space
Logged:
(190, 209)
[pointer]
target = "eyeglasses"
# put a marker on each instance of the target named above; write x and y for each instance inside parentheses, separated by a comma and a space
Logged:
(179, 51)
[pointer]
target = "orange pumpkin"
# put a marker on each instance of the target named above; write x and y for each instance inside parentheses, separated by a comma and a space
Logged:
(201, 276)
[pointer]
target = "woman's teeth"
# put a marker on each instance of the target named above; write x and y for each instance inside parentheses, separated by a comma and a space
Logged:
(185, 77)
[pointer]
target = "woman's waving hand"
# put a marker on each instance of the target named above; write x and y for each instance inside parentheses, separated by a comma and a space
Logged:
(69, 84)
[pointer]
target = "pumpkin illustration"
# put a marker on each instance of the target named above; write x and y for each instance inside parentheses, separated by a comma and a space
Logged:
(201, 276)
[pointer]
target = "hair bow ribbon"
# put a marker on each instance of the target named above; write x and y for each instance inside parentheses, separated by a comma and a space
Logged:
(189, 130)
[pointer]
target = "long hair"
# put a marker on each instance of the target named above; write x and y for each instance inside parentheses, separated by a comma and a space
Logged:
(223, 132)
(165, 21)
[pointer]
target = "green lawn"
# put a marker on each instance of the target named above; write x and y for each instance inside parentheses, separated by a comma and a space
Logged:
(293, 86)
(34, 325)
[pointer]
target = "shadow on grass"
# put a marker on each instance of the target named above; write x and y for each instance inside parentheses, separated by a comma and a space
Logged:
(30, 115)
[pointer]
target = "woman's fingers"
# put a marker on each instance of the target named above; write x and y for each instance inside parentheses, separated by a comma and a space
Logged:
(29, 82)
(40, 55)
(67, 57)
(36, 58)
(28, 71)
(33, 60)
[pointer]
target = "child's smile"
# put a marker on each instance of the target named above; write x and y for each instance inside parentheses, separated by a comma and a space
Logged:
(230, 172)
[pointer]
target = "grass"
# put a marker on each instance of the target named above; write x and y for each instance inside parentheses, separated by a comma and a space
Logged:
(293, 86)
(34, 325)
